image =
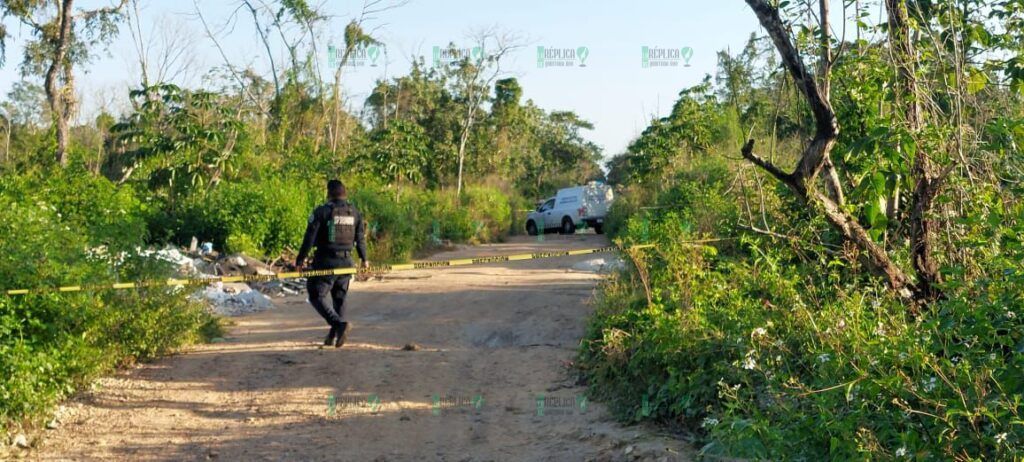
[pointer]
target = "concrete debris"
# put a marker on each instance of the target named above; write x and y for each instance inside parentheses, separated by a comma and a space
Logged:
(234, 299)
(241, 265)
(599, 265)
(21, 441)
(227, 299)
(183, 264)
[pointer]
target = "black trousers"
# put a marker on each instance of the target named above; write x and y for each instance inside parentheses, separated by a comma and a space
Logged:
(327, 293)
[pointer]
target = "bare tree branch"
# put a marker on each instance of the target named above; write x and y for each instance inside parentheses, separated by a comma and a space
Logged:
(815, 156)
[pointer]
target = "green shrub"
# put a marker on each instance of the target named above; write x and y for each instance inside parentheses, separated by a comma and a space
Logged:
(490, 213)
(92, 206)
(51, 344)
(395, 220)
(254, 217)
(771, 357)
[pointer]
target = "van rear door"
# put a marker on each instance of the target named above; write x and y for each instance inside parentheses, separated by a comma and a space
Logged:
(596, 199)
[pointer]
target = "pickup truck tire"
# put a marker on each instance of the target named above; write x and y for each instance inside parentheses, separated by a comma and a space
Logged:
(568, 227)
(531, 228)
(599, 228)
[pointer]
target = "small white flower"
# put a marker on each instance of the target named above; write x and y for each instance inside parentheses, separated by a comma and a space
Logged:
(1010, 315)
(1001, 438)
(930, 384)
(991, 356)
(824, 358)
(709, 422)
(749, 363)
(901, 452)
(759, 332)
(842, 323)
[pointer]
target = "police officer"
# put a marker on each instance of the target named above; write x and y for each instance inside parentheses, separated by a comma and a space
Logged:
(334, 228)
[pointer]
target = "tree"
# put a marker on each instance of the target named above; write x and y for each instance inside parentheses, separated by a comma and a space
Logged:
(62, 40)
(399, 153)
(184, 140)
(816, 154)
(815, 159)
(471, 79)
(26, 104)
(165, 53)
(696, 122)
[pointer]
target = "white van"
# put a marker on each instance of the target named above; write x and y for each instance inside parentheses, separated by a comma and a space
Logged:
(571, 208)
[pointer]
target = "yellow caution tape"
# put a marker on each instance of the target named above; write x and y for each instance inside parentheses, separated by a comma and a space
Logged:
(377, 269)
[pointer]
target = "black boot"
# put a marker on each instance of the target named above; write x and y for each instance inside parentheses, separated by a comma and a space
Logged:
(330, 336)
(342, 335)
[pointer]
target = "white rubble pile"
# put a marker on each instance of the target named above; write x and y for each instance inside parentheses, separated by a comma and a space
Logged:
(599, 265)
(185, 265)
(225, 299)
(234, 299)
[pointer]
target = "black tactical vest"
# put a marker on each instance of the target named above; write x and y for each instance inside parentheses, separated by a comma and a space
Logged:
(341, 228)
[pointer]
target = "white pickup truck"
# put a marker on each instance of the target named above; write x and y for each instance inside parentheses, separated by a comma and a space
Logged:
(572, 208)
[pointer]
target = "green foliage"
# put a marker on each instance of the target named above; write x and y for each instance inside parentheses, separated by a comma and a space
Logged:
(771, 360)
(399, 153)
(183, 140)
(71, 228)
(754, 325)
(253, 217)
(97, 209)
(696, 123)
(402, 221)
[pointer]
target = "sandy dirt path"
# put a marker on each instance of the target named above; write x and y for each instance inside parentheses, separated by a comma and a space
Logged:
(491, 340)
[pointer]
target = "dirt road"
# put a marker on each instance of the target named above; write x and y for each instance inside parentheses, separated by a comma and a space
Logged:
(491, 340)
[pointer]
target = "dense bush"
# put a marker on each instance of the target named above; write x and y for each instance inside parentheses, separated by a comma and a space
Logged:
(253, 217)
(403, 220)
(78, 229)
(767, 355)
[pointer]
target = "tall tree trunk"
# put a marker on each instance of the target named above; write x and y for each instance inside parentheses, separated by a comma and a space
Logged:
(463, 139)
(923, 228)
(61, 95)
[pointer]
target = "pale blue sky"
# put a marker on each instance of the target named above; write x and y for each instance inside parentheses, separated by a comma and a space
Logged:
(613, 91)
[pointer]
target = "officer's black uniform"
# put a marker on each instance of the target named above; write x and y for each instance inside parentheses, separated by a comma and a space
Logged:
(334, 228)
